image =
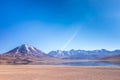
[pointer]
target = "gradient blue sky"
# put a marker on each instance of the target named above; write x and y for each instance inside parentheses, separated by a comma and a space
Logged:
(60, 24)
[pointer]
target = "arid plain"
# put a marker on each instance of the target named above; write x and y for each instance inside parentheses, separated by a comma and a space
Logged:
(43, 72)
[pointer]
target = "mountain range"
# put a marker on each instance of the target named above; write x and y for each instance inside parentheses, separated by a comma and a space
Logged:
(84, 54)
(26, 54)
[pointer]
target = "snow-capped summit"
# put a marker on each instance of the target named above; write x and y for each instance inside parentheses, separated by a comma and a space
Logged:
(25, 54)
(25, 51)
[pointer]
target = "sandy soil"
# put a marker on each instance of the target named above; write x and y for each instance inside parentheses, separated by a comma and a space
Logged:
(37, 72)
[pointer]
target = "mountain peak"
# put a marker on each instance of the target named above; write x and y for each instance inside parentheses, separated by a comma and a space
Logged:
(24, 54)
(26, 47)
(25, 51)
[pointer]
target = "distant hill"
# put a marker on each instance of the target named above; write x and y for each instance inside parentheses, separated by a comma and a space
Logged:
(84, 54)
(24, 54)
(115, 58)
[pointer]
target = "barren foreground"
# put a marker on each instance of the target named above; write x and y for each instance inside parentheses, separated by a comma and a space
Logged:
(36, 72)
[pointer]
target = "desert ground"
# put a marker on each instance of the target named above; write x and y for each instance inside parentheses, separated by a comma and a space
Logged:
(44, 72)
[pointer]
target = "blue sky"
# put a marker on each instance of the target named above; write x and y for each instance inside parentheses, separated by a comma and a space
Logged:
(60, 24)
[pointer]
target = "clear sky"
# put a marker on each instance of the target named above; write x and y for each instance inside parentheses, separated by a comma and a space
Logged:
(60, 24)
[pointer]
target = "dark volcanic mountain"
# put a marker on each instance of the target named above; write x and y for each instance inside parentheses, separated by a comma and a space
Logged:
(24, 54)
(84, 54)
